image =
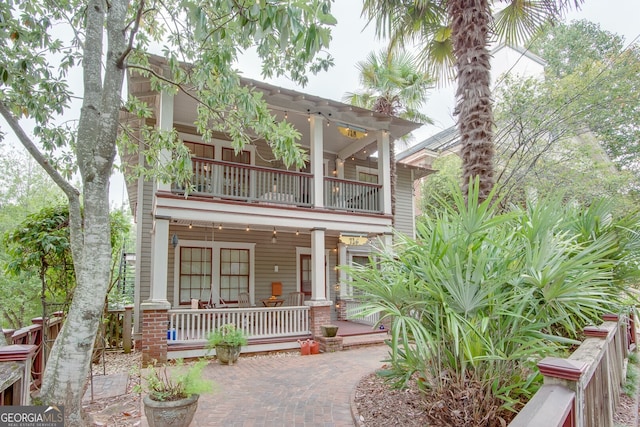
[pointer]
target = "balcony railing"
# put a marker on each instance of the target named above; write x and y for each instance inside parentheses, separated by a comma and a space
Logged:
(237, 181)
(234, 181)
(353, 196)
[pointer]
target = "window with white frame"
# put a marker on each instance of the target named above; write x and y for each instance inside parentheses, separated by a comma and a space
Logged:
(235, 273)
(365, 174)
(358, 258)
(195, 274)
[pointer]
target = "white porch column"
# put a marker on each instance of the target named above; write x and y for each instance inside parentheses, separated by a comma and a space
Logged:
(159, 257)
(316, 159)
(318, 288)
(384, 170)
(165, 123)
(339, 168)
(342, 275)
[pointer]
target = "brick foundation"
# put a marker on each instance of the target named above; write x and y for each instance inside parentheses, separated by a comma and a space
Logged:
(330, 344)
(154, 336)
(318, 316)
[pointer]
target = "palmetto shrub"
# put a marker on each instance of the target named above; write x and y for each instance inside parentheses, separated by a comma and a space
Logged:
(481, 295)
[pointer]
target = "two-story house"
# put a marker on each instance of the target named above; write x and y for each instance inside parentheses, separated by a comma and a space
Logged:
(253, 232)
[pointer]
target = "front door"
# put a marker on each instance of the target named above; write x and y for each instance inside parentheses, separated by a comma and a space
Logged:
(305, 275)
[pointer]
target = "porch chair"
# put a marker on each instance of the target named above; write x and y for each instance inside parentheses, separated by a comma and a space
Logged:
(295, 299)
(244, 300)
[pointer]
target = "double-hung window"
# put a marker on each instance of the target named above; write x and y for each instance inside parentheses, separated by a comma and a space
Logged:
(195, 274)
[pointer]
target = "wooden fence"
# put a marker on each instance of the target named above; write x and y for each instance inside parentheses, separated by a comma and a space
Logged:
(118, 324)
(23, 360)
(583, 390)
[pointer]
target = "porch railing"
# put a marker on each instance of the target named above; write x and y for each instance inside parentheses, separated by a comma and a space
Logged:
(237, 181)
(353, 196)
(248, 183)
(355, 311)
(258, 322)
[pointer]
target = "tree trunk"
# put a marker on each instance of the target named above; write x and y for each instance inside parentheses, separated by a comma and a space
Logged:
(470, 35)
(70, 359)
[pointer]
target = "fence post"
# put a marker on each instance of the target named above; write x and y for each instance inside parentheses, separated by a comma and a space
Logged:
(566, 373)
(126, 328)
(22, 354)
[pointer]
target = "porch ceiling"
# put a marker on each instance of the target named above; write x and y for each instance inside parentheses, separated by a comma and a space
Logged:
(296, 107)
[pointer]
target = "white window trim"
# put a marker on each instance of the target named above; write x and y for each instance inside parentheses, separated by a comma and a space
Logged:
(218, 145)
(352, 251)
(365, 169)
(215, 264)
(176, 264)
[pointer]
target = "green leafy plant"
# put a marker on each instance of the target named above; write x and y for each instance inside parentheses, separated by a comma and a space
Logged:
(227, 334)
(184, 381)
(485, 292)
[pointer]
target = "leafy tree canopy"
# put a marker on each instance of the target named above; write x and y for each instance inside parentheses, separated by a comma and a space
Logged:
(594, 81)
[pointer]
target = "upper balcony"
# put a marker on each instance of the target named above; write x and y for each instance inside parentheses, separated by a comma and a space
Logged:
(256, 184)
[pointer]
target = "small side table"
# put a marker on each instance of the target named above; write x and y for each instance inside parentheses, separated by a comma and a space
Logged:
(272, 302)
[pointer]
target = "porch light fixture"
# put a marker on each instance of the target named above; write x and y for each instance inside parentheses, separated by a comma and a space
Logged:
(297, 232)
(248, 228)
(190, 226)
(274, 240)
(219, 226)
(174, 240)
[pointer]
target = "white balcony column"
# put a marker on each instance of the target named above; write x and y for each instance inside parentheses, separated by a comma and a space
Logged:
(318, 288)
(384, 170)
(165, 123)
(317, 158)
(160, 256)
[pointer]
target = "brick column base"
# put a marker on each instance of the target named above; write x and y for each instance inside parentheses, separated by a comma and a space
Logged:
(330, 344)
(341, 308)
(319, 314)
(154, 336)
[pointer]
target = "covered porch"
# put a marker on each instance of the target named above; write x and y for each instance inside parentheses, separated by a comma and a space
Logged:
(267, 329)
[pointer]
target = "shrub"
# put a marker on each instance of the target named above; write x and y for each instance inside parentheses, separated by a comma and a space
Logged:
(482, 294)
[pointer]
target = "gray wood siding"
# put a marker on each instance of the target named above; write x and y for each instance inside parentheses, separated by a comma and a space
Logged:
(404, 220)
(267, 255)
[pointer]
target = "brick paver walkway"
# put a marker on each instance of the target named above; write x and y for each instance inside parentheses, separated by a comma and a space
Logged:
(286, 391)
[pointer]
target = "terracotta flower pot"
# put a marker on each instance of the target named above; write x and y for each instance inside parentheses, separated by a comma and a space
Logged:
(170, 413)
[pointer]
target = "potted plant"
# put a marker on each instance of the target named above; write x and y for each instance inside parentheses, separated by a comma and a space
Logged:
(329, 330)
(172, 399)
(228, 341)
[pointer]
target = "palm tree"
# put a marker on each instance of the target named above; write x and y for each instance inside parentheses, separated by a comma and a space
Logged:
(458, 32)
(392, 85)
